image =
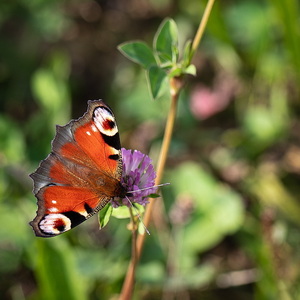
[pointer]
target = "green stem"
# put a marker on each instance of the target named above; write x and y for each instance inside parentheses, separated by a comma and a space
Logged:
(126, 293)
(128, 284)
(176, 85)
(202, 26)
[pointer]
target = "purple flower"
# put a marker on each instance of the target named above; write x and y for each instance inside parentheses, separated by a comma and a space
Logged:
(138, 178)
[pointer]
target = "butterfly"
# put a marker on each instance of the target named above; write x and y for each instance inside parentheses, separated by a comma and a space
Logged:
(81, 174)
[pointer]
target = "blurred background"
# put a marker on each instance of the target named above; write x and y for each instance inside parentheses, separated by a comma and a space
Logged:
(229, 224)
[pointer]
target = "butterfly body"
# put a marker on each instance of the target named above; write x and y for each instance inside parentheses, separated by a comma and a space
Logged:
(81, 174)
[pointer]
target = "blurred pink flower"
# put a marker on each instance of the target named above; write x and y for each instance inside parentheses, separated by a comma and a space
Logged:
(206, 102)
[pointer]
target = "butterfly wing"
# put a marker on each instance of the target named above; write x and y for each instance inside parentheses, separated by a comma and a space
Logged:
(81, 174)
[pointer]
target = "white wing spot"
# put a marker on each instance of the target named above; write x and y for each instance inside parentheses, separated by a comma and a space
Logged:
(94, 128)
(53, 209)
(101, 117)
(54, 201)
(88, 133)
(84, 213)
(48, 224)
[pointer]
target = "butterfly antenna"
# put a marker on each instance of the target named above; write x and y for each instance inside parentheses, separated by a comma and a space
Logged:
(138, 215)
(150, 187)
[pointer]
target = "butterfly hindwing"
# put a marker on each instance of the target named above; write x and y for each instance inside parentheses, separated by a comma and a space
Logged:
(81, 174)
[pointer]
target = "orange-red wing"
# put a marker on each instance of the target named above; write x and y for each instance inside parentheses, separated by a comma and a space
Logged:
(93, 144)
(81, 174)
(92, 140)
(57, 199)
(58, 214)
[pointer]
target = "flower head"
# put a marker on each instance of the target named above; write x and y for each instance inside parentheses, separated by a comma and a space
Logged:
(137, 178)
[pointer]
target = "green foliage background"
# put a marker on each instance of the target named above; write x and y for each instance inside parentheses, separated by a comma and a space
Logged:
(230, 219)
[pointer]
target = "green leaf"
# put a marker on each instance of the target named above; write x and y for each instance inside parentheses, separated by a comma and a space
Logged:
(265, 125)
(104, 215)
(138, 52)
(288, 16)
(50, 88)
(187, 54)
(152, 272)
(155, 77)
(121, 212)
(212, 202)
(166, 41)
(57, 273)
(191, 69)
(154, 196)
(175, 72)
(12, 146)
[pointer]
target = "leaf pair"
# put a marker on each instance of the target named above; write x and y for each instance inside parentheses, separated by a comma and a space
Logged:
(162, 62)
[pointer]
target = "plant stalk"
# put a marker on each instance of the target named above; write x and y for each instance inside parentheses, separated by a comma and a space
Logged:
(176, 84)
(127, 289)
(202, 26)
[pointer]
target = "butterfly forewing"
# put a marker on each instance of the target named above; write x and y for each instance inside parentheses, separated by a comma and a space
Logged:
(81, 174)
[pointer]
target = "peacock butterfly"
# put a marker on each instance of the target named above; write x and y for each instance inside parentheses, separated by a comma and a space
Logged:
(81, 174)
